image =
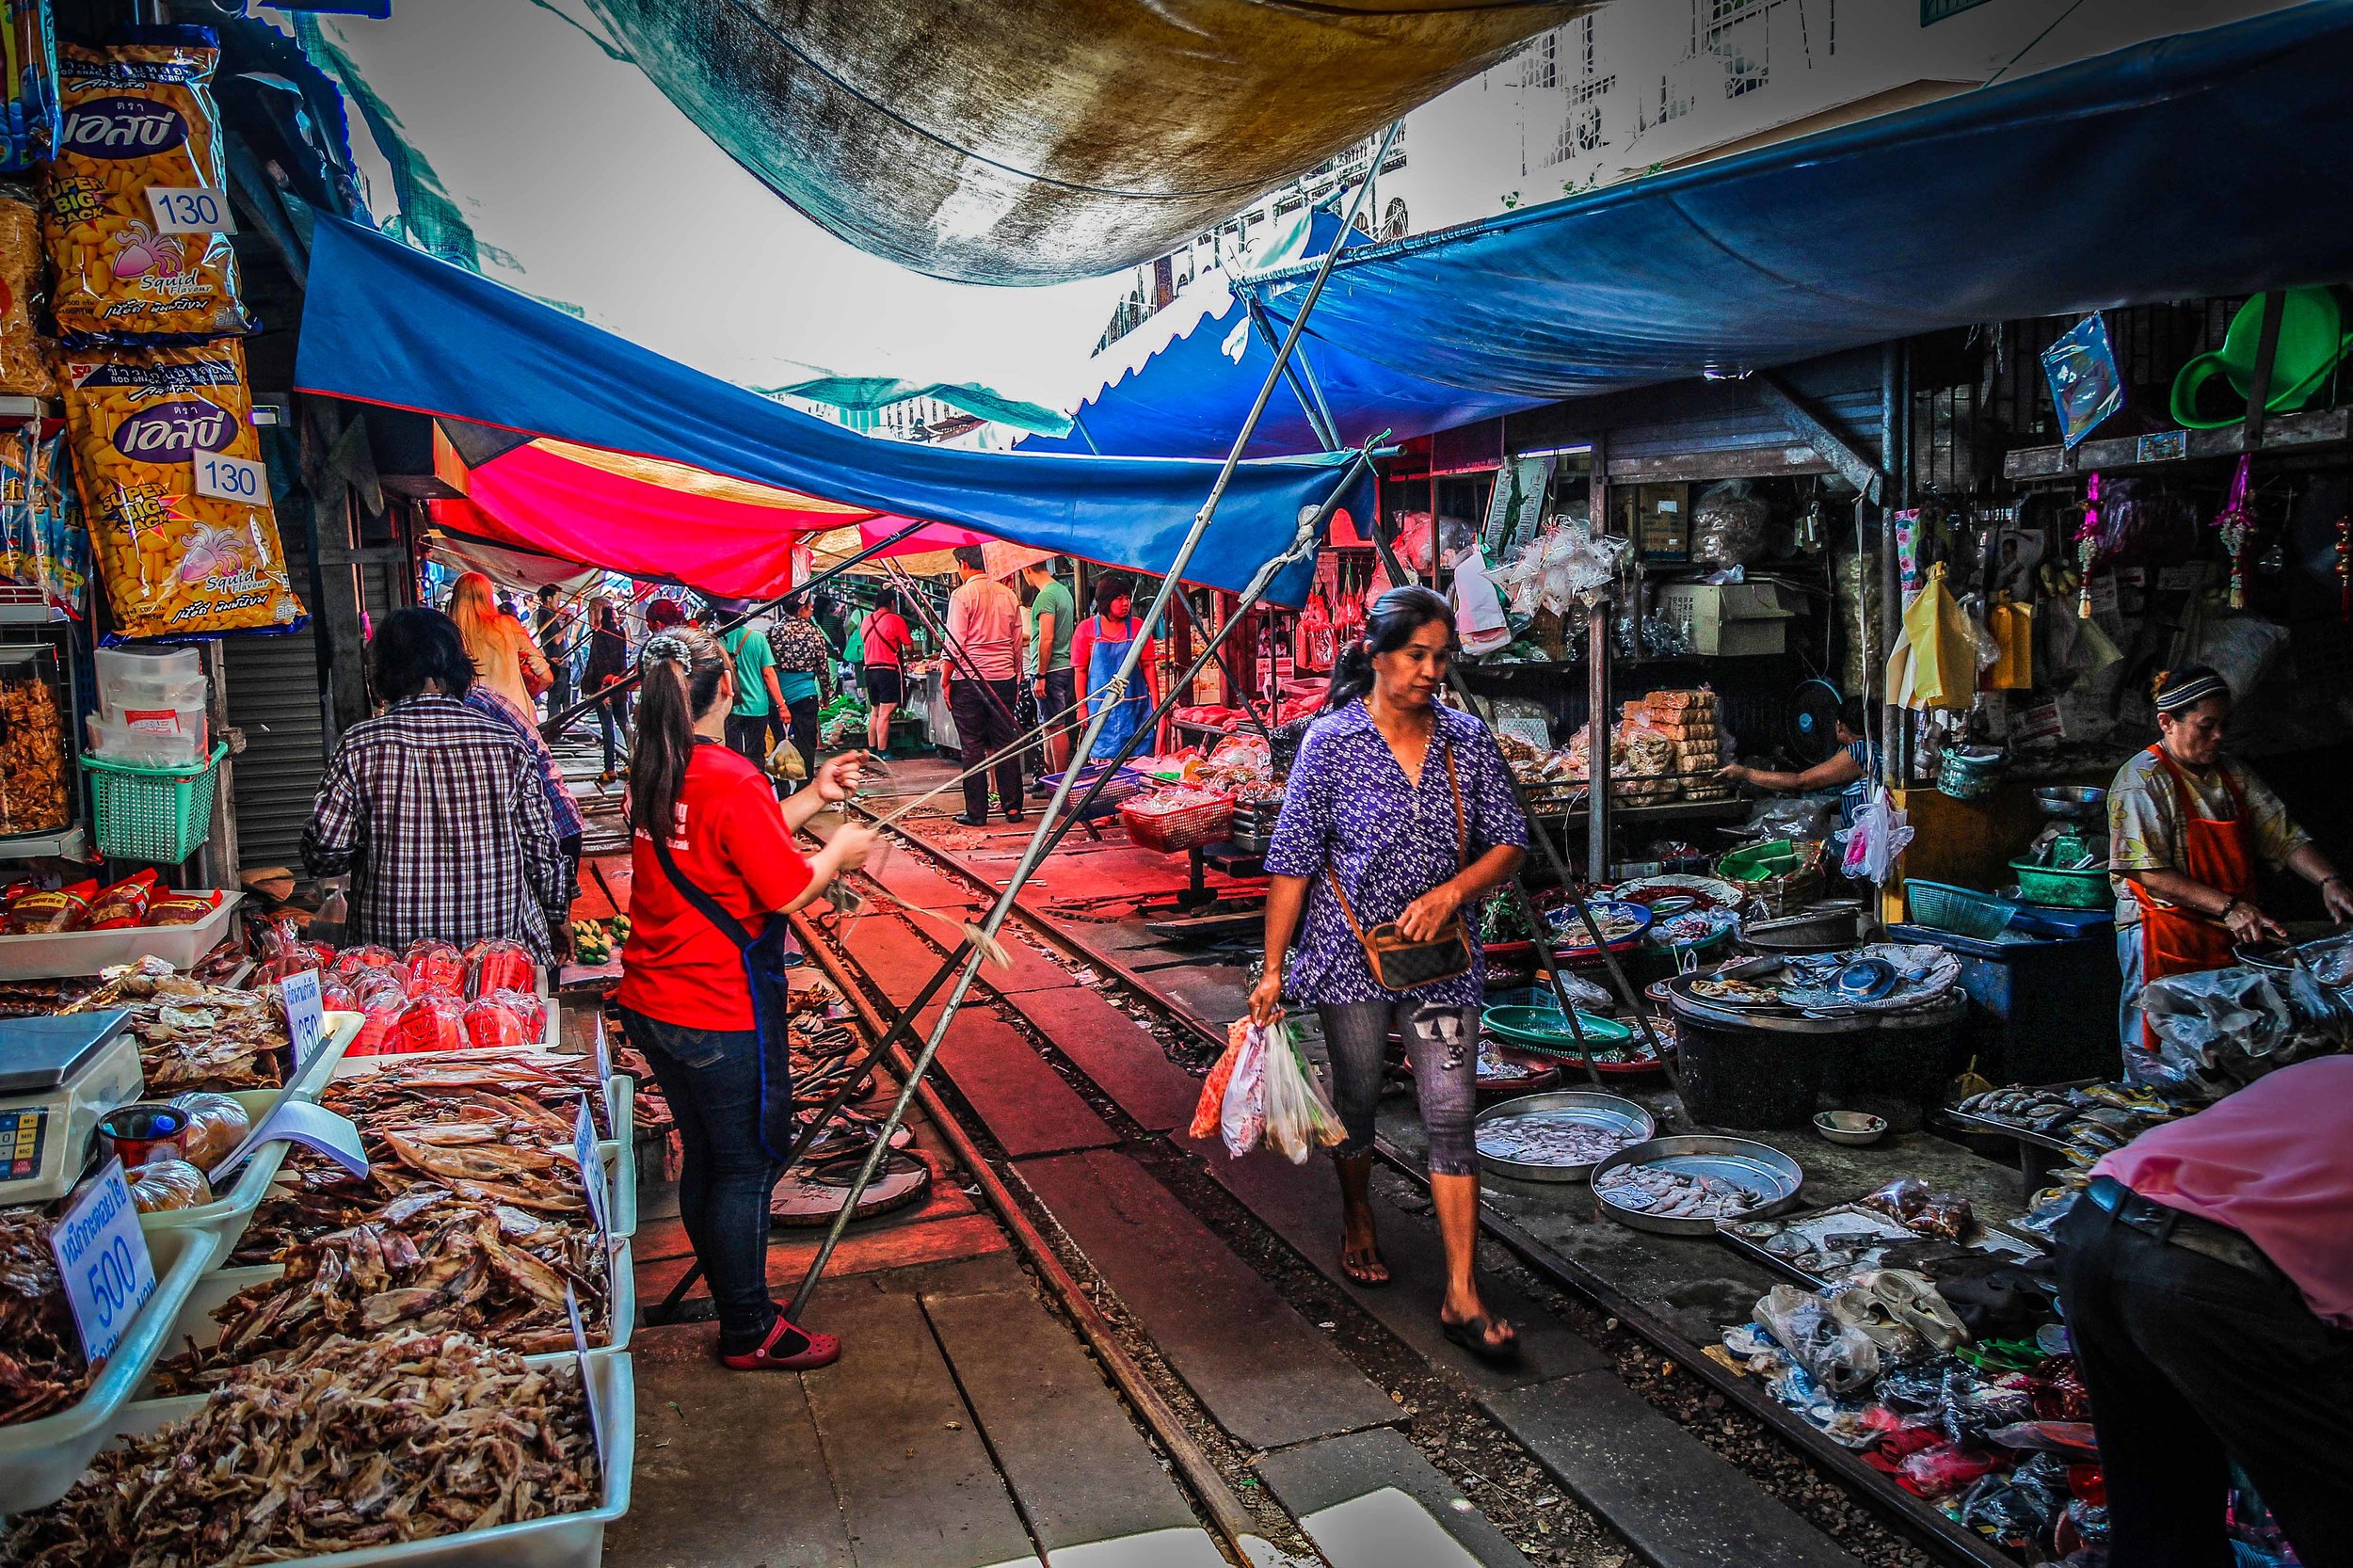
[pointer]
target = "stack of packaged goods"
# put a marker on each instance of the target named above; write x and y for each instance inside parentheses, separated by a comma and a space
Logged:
(1687, 718)
(146, 306)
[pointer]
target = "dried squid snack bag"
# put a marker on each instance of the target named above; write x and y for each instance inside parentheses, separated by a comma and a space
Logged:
(138, 117)
(175, 563)
(63, 538)
(23, 272)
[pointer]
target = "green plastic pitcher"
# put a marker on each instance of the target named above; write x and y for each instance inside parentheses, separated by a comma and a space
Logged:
(2312, 340)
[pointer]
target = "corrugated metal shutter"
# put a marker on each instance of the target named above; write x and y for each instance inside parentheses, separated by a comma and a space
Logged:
(274, 697)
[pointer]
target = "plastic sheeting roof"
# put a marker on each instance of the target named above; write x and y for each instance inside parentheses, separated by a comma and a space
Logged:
(2212, 163)
(385, 323)
(1027, 141)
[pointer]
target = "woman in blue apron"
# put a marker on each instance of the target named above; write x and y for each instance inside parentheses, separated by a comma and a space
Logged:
(1098, 646)
(715, 869)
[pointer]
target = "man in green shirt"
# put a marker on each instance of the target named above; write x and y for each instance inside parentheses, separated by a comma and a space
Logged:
(758, 697)
(1054, 615)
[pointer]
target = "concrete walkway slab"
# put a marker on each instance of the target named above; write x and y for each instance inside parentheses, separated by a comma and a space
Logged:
(1118, 1054)
(1302, 1204)
(1078, 1466)
(917, 1487)
(1677, 1503)
(696, 1421)
(1264, 1372)
(1372, 1501)
(1027, 1106)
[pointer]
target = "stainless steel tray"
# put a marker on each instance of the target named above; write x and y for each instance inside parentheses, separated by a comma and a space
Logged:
(1578, 1105)
(1758, 1167)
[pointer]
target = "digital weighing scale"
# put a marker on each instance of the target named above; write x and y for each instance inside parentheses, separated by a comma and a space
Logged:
(58, 1076)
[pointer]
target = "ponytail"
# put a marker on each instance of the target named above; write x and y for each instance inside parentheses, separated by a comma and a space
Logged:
(680, 670)
(1397, 615)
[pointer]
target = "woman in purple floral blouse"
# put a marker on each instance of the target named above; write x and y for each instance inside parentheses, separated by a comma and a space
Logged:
(1373, 803)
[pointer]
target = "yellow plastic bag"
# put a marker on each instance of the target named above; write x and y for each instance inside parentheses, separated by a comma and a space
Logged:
(1934, 664)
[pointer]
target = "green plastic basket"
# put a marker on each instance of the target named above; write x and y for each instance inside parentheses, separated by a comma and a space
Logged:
(2070, 890)
(150, 814)
(1963, 911)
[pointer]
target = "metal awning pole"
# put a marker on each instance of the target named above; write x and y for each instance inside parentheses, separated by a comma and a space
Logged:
(1311, 518)
(554, 725)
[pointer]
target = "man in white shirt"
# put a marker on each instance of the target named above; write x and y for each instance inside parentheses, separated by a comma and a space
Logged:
(984, 650)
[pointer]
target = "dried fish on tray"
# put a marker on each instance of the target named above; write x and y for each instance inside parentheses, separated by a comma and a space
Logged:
(41, 1369)
(404, 1438)
(510, 1079)
(1683, 1185)
(192, 1036)
(430, 1259)
(1671, 1195)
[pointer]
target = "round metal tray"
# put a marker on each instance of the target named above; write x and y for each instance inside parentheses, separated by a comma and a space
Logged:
(1758, 1167)
(1581, 1105)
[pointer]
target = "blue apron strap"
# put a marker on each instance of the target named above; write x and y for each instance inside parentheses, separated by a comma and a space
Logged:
(766, 960)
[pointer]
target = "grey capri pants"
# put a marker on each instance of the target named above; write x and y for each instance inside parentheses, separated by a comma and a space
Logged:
(1443, 1044)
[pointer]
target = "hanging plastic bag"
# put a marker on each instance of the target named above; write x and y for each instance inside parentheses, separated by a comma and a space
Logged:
(1298, 1117)
(1208, 1113)
(2012, 629)
(1941, 654)
(1880, 833)
(1242, 1116)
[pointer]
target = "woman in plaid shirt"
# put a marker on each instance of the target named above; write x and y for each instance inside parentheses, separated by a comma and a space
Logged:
(437, 809)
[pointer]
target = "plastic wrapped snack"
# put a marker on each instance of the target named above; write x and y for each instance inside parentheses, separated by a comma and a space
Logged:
(140, 118)
(430, 965)
(175, 563)
(217, 1125)
(33, 785)
(123, 904)
(491, 1024)
(530, 1010)
(496, 964)
(182, 907)
(336, 995)
(164, 1184)
(434, 1021)
(1908, 1201)
(33, 910)
(353, 962)
(23, 368)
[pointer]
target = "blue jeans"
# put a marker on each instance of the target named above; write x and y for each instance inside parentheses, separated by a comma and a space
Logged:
(710, 1078)
(2128, 960)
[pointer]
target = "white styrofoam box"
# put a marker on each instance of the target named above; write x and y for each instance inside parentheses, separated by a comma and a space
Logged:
(58, 954)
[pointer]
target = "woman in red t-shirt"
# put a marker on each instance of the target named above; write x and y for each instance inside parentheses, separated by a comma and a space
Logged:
(685, 998)
(883, 667)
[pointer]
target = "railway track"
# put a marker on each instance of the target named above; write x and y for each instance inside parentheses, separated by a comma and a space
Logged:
(1857, 1505)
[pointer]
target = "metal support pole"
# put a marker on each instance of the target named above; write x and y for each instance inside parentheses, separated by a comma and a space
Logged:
(1600, 710)
(1310, 524)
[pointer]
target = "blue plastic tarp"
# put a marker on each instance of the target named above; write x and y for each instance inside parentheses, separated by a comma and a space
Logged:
(384, 324)
(2212, 163)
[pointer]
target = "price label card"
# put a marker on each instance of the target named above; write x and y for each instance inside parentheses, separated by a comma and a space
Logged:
(300, 1122)
(306, 1015)
(102, 1256)
(190, 210)
(604, 1055)
(587, 1382)
(227, 478)
(591, 1169)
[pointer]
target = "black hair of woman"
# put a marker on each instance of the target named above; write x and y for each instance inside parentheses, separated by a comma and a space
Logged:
(1396, 615)
(680, 671)
(417, 647)
(1112, 585)
(1855, 714)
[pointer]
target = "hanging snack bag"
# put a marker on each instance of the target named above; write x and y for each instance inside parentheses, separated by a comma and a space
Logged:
(140, 119)
(24, 369)
(176, 562)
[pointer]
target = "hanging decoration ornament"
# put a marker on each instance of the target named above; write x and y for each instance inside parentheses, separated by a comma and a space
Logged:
(2345, 569)
(2234, 522)
(2087, 546)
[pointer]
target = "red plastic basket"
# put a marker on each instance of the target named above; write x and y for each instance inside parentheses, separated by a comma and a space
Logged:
(1173, 832)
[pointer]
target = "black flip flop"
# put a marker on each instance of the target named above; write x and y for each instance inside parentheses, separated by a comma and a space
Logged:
(1350, 1274)
(1472, 1337)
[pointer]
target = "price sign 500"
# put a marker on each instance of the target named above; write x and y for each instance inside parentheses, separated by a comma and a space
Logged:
(101, 1255)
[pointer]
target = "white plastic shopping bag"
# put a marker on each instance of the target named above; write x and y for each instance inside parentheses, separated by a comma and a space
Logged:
(1298, 1117)
(1244, 1119)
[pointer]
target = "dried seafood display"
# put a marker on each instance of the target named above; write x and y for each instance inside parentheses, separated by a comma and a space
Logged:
(192, 1036)
(1671, 1195)
(41, 1371)
(539, 1087)
(406, 1437)
(430, 1260)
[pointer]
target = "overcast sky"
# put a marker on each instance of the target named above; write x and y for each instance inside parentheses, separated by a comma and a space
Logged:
(611, 199)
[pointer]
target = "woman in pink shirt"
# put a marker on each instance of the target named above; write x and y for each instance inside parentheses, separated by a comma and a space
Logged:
(2207, 1280)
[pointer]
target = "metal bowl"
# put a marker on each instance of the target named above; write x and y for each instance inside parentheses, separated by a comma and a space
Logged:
(2070, 800)
(1758, 1167)
(1576, 1105)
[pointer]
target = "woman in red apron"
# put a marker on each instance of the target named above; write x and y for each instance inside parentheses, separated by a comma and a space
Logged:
(2186, 831)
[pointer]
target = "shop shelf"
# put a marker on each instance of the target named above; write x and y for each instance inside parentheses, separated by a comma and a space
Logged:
(53, 954)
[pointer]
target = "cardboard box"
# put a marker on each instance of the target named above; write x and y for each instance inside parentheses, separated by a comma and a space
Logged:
(1728, 621)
